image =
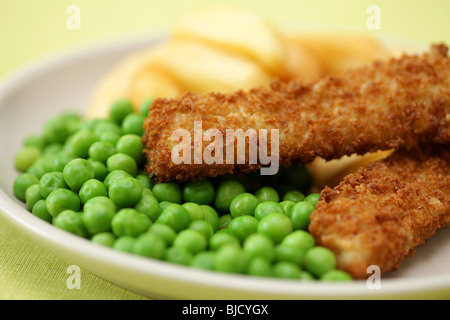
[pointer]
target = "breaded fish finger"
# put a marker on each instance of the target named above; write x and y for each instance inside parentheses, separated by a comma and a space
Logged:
(395, 103)
(381, 213)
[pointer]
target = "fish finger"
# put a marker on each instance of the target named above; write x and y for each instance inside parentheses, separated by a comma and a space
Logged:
(383, 212)
(399, 102)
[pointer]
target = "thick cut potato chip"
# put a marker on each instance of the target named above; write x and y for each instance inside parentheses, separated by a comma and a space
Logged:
(199, 68)
(340, 51)
(301, 64)
(330, 173)
(151, 82)
(235, 30)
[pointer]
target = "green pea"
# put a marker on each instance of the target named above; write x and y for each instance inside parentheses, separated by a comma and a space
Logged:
(40, 210)
(259, 245)
(77, 172)
(336, 275)
(72, 119)
(70, 221)
(175, 216)
(259, 267)
(195, 211)
(306, 276)
(224, 220)
(102, 200)
(52, 148)
(129, 222)
(121, 161)
(167, 191)
(299, 238)
(110, 136)
(55, 130)
(106, 125)
(149, 245)
(164, 204)
(32, 195)
(146, 191)
(203, 227)
(34, 140)
(100, 170)
(144, 109)
(61, 159)
(132, 145)
(300, 214)
(124, 243)
(62, 199)
(226, 191)
(81, 141)
(243, 226)
(42, 165)
(51, 181)
(266, 207)
(119, 110)
(267, 194)
(319, 260)
(201, 192)
(164, 231)
(21, 184)
(148, 205)
(220, 239)
(290, 253)
(145, 181)
(191, 240)
(287, 206)
(203, 260)
(286, 270)
(313, 198)
(231, 259)
(26, 157)
(243, 204)
(90, 123)
(37, 169)
(211, 216)
(97, 218)
(114, 175)
(133, 123)
(275, 225)
(104, 238)
(125, 192)
(294, 195)
(178, 255)
(101, 151)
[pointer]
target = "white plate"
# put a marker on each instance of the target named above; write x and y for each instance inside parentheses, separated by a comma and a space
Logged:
(37, 92)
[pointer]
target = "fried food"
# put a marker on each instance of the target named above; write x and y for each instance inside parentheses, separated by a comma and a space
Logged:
(381, 213)
(394, 103)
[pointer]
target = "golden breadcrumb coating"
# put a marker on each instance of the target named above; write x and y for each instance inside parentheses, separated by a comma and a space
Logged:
(381, 213)
(398, 102)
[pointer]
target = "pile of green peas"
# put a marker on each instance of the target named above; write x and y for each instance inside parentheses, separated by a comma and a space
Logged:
(87, 177)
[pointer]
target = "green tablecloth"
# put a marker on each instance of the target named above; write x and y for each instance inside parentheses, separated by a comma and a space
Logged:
(30, 272)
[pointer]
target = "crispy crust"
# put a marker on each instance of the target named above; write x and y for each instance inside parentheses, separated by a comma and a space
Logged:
(390, 104)
(380, 214)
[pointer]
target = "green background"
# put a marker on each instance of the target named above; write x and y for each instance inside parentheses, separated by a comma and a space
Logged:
(31, 30)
